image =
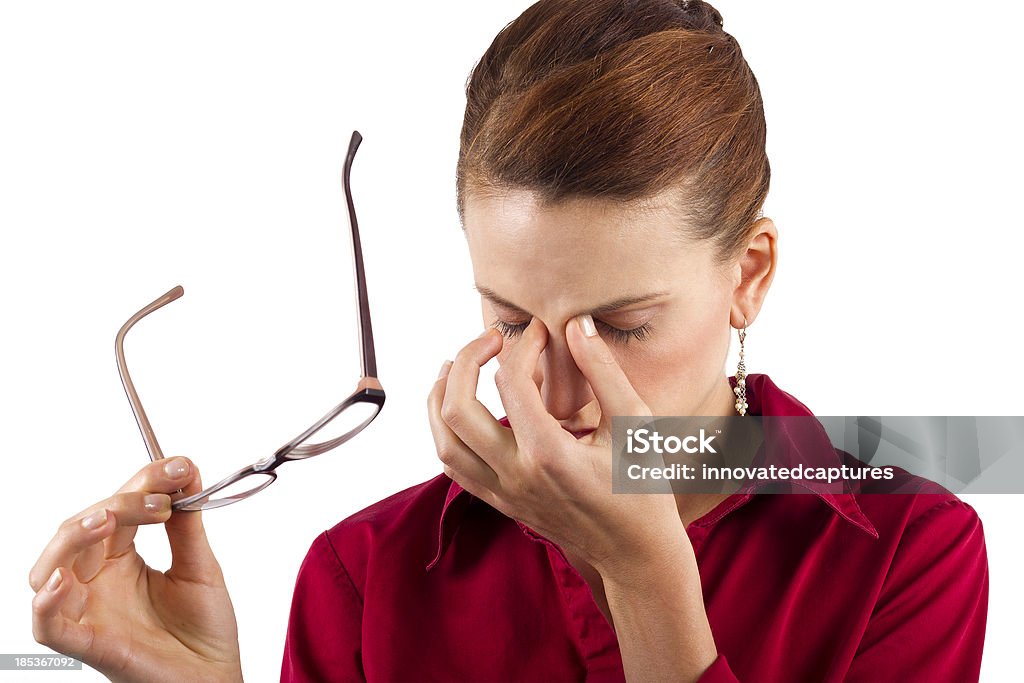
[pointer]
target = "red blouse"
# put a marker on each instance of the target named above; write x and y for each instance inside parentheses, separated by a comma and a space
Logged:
(433, 584)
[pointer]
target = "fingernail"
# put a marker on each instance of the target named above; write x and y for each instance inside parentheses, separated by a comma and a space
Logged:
(53, 583)
(485, 333)
(177, 468)
(587, 324)
(444, 369)
(155, 502)
(95, 520)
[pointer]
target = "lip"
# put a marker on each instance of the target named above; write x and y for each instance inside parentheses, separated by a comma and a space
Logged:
(581, 433)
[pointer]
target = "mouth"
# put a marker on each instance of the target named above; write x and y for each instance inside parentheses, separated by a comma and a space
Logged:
(581, 433)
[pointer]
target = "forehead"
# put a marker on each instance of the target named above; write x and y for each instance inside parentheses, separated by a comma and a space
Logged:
(582, 250)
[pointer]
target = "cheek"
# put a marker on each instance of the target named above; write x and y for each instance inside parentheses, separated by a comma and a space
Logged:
(654, 372)
(669, 372)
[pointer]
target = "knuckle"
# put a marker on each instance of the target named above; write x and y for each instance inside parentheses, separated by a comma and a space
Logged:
(546, 467)
(541, 464)
(119, 503)
(450, 413)
(70, 523)
(446, 456)
(154, 471)
(503, 378)
(37, 609)
(34, 578)
(68, 529)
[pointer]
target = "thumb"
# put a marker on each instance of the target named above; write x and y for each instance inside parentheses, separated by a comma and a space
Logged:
(192, 558)
(608, 381)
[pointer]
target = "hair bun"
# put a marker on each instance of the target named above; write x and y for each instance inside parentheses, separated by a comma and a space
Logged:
(701, 16)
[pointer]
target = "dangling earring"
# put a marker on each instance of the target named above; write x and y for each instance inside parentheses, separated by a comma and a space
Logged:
(741, 376)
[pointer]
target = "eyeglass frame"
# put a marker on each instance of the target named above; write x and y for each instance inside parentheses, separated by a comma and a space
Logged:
(368, 390)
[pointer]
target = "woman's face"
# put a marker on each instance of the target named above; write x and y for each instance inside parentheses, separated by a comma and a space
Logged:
(583, 256)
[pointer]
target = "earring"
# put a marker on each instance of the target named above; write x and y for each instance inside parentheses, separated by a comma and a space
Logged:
(741, 376)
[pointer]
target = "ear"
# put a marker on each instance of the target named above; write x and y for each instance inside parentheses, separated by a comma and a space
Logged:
(756, 269)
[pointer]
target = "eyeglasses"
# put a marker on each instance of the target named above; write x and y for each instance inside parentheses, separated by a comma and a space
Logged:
(339, 425)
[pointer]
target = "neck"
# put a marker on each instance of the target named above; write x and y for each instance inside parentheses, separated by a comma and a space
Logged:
(720, 401)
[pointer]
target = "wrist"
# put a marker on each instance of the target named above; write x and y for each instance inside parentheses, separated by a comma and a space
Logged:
(664, 558)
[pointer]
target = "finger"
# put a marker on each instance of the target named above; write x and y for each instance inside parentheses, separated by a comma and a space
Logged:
(93, 525)
(191, 555)
(614, 392)
(73, 606)
(460, 462)
(73, 536)
(192, 558)
(131, 510)
(165, 476)
(50, 626)
(531, 423)
(463, 412)
(102, 532)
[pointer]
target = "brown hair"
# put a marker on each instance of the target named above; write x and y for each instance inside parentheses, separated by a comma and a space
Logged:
(620, 99)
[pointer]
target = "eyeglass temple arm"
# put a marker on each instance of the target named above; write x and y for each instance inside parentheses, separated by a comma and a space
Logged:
(129, 388)
(368, 357)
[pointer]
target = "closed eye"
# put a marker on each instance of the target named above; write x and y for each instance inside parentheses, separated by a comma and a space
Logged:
(618, 335)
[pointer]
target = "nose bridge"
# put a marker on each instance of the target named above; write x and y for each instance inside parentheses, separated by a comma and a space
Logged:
(565, 389)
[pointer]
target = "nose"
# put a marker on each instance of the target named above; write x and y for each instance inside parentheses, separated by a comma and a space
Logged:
(564, 388)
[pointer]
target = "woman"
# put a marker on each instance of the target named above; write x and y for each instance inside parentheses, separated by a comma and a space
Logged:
(610, 182)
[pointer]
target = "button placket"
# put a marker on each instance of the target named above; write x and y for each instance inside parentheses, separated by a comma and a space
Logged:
(594, 636)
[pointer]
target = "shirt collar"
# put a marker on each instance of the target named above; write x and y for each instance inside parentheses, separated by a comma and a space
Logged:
(763, 398)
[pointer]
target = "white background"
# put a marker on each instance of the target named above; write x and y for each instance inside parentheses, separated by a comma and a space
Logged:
(145, 145)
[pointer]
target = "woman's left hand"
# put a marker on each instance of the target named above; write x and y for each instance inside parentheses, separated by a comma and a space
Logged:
(538, 472)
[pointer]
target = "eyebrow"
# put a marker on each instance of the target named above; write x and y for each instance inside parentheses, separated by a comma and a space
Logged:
(603, 308)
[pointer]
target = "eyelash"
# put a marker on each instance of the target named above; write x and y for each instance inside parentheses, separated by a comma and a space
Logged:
(621, 336)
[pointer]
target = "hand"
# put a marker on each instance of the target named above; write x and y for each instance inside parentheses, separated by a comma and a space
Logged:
(97, 601)
(537, 472)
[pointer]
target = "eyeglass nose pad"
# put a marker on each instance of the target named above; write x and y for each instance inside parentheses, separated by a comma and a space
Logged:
(265, 463)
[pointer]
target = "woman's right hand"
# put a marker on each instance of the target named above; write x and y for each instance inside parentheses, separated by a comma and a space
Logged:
(98, 601)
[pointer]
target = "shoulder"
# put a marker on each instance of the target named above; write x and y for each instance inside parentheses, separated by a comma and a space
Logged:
(896, 505)
(396, 530)
(929, 591)
(910, 508)
(412, 505)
